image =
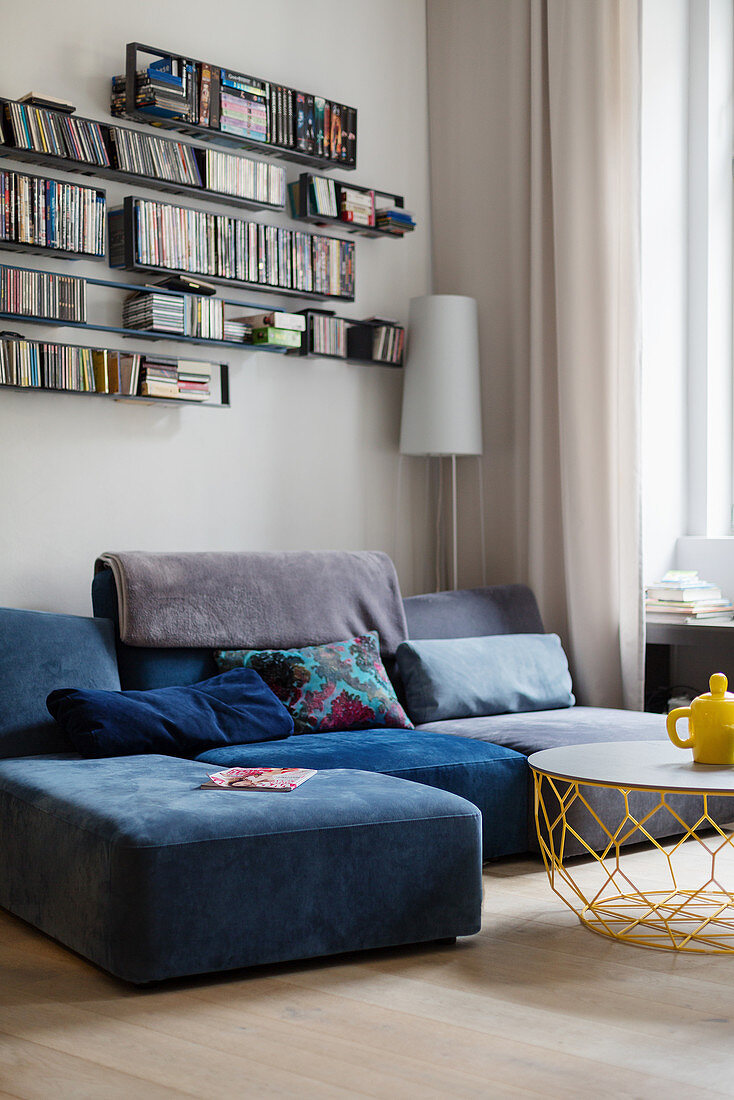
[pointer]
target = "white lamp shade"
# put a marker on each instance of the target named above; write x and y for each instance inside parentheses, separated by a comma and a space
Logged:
(442, 412)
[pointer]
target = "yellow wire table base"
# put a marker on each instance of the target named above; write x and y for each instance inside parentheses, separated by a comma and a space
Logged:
(686, 902)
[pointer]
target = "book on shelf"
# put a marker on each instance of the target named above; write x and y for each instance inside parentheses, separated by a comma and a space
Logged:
(106, 366)
(193, 379)
(687, 619)
(682, 585)
(394, 219)
(280, 337)
(40, 99)
(276, 318)
(258, 779)
(357, 206)
(688, 607)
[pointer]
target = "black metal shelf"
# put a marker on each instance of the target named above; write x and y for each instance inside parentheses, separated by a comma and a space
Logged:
(87, 168)
(306, 350)
(206, 133)
(302, 207)
(47, 250)
(123, 239)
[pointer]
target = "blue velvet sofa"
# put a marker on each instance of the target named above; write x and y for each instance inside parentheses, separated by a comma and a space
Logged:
(128, 862)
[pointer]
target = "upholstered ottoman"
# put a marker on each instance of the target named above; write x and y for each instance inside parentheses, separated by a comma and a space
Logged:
(130, 864)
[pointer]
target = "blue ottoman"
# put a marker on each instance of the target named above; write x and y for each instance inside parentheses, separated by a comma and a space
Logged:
(129, 863)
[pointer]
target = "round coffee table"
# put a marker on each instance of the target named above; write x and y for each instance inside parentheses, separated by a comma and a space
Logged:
(686, 902)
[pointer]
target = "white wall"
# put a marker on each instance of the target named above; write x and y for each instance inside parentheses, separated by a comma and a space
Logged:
(307, 455)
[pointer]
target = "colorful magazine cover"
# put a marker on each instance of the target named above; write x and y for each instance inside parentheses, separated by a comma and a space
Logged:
(258, 779)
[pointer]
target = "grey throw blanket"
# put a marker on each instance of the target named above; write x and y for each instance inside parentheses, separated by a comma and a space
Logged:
(256, 600)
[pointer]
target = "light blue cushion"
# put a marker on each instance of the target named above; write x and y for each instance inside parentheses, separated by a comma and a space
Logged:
(468, 677)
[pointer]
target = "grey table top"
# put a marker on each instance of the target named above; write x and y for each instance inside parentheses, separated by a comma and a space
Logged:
(634, 765)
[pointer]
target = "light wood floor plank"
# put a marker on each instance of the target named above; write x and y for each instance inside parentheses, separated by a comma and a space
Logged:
(534, 1006)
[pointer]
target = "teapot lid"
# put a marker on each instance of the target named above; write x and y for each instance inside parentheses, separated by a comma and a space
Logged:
(718, 684)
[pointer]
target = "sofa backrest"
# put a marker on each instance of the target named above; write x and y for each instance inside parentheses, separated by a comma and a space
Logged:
(259, 600)
(474, 612)
(39, 652)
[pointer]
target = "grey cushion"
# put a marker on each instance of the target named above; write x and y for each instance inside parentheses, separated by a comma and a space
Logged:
(472, 612)
(40, 652)
(466, 677)
(527, 733)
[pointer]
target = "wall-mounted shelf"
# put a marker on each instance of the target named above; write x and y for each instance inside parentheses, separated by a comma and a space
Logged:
(350, 340)
(131, 110)
(48, 210)
(32, 316)
(137, 237)
(321, 200)
(9, 149)
(32, 366)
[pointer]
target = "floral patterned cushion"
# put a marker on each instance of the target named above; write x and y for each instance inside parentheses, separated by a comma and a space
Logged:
(339, 686)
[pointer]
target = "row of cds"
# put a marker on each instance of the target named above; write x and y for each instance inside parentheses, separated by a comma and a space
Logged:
(146, 155)
(245, 178)
(194, 241)
(47, 366)
(57, 134)
(328, 335)
(155, 313)
(51, 214)
(42, 294)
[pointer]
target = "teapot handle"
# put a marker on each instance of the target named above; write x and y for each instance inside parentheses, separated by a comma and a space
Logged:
(680, 712)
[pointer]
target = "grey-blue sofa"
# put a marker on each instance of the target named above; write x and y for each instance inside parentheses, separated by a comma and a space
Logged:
(129, 863)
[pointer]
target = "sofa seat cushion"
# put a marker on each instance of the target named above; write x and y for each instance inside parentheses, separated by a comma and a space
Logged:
(494, 778)
(131, 864)
(547, 729)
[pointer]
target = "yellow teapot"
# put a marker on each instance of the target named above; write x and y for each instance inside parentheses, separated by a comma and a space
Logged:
(710, 724)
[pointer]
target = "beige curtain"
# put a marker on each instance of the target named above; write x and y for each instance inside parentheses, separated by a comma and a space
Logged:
(562, 218)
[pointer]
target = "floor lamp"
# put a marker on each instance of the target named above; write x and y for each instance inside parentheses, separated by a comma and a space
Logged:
(442, 414)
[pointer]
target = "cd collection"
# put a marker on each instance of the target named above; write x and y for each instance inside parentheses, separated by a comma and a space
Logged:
(51, 214)
(57, 133)
(195, 241)
(42, 294)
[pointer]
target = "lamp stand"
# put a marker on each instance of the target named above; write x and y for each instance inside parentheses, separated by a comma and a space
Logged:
(454, 526)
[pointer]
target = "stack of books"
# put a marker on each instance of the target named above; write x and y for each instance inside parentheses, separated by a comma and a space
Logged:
(395, 219)
(158, 377)
(194, 380)
(276, 329)
(154, 313)
(682, 597)
(357, 206)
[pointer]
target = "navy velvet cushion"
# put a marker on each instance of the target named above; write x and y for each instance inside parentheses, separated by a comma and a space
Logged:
(468, 677)
(230, 709)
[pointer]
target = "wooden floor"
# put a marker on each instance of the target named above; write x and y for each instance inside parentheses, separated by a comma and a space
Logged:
(535, 1005)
